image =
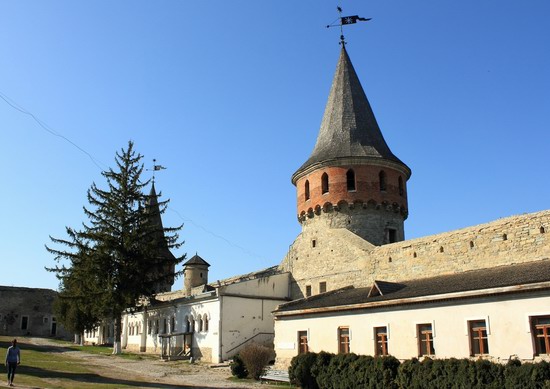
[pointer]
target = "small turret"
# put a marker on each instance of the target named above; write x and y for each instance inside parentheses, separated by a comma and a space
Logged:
(195, 273)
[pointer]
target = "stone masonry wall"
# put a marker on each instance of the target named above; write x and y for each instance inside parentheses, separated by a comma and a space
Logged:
(505, 241)
(341, 258)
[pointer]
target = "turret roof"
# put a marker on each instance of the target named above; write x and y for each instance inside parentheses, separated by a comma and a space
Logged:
(196, 260)
(349, 128)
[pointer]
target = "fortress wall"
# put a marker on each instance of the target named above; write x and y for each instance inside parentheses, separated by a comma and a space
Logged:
(341, 258)
(505, 241)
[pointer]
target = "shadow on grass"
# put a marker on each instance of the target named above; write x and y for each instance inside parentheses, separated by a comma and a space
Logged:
(91, 378)
(24, 344)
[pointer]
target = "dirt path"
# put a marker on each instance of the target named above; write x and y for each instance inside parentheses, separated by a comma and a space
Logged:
(151, 373)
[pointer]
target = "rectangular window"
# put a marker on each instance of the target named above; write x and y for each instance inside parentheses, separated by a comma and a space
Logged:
(381, 341)
(392, 235)
(302, 342)
(165, 326)
(343, 340)
(425, 340)
(479, 344)
(322, 287)
(157, 326)
(540, 328)
(308, 290)
(24, 322)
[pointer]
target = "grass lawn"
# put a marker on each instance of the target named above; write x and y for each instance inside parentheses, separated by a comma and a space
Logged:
(57, 366)
(50, 367)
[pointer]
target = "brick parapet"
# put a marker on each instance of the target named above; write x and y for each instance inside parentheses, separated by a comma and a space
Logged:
(367, 188)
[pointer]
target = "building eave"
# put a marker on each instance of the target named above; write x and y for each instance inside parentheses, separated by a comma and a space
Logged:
(416, 300)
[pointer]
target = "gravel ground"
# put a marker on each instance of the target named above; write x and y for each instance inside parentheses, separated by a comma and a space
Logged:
(154, 373)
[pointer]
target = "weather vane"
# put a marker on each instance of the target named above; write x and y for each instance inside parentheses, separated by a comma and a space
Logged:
(155, 168)
(344, 20)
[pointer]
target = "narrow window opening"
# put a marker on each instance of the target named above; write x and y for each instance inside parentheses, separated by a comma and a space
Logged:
(425, 340)
(308, 290)
(302, 342)
(504, 237)
(392, 235)
(414, 255)
(322, 287)
(350, 179)
(313, 243)
(441, 249)
(381, 341)
(540, 328)
(382, 180)
(306, 190)
(479, 344)
(542, 230)
(401, 186)
(389, 259)
(343, 340)
(324, 183)
(471, 244)
(205, 323)
(24, 322)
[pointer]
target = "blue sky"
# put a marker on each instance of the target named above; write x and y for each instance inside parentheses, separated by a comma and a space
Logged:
(229, 97)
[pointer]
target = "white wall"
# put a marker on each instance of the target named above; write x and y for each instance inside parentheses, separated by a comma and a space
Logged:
(508, 321)
(245, 320)
(275, 286)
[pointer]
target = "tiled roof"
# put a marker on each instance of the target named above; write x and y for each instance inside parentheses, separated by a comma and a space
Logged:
(502, 276)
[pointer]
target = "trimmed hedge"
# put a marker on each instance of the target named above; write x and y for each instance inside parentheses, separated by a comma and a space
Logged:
(325, 370)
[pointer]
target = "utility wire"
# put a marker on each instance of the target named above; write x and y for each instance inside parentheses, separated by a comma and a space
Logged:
(96, 162)
(248, 252)
(42, 124)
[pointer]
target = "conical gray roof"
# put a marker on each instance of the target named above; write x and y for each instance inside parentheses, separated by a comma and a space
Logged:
(349, 128)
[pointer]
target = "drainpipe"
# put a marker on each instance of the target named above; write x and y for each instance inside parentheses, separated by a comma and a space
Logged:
(220, 328)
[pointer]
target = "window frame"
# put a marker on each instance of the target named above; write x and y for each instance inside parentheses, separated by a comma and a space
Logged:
(478, 335)
(381, 339)
(545, 335)
(344, 340)
(303, 344)
(308, 290)
(426, 339)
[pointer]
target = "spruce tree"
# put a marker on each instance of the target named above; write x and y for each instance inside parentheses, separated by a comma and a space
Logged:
(122, 248)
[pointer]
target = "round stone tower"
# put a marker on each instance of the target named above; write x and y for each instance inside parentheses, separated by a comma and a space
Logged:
(195, 273)
(352, 179)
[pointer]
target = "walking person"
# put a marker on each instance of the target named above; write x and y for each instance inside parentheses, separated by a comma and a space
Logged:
(13, 358)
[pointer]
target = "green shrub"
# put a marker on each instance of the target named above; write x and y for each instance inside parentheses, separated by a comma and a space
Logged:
(300, 371)
(238, 369)
(256, 358)
(353, 371)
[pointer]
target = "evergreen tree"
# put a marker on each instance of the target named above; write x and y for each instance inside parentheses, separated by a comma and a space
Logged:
(120, 255)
